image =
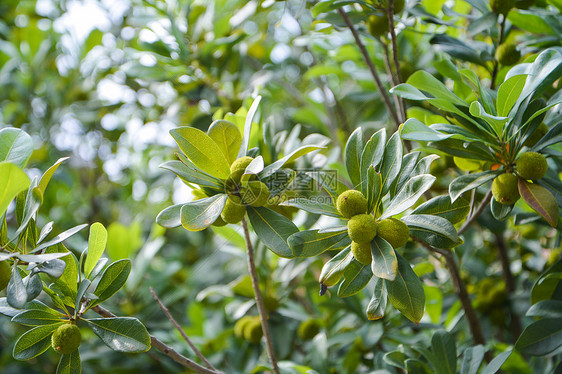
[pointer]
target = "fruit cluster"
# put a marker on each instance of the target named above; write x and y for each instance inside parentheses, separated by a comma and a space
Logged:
(362, 228)
(249, 328)
(529, 166)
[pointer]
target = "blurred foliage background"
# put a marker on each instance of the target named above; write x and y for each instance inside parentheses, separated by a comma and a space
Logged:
(104, 81)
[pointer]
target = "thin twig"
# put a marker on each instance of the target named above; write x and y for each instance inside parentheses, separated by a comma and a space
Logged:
(258, 297)
(371, 67)
(394, 79)
(164, 348)
(474, 216)
(180, 329)
(402, 109)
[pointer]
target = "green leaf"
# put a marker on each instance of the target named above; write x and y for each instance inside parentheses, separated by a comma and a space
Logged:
(34, 342)
(310, 243)
(424, 81)
(36, 317)
(273, 229)
(465, 149)
(529, 21)
(332, 271)
(170, 217)
(373, 152)
(122, 334)
(377, 304)
(202, 151)
(96, 246)
(313, 206)
(355, 278)
(546, 309)
(414, 129)
(374, 189)
(548, 285)
(248, 127)
(495, 365)
(443, 207)
(189, 173)
(13, 181)
(410, 168)
(406, 291)
(299, 152)
(200, 214)
(353, 151)
(409, 92)
(60, 237)
(433, 300)
(46, 178)
(392, 161)
(113, 278)
(500, 211)
(123, 241)
(16, 294)
(457, 49)
(70, 364)
(508, 93)
(409, 194)
(445, 352)
(496, 123)
(16, 146)
(540, 337)
(434, 230)
(67, 282)
(541, 200)
(384, 264)
(469, 182)
(472, 359)
(228, 138)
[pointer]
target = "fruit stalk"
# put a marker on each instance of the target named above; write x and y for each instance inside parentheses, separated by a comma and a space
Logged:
(259, 298)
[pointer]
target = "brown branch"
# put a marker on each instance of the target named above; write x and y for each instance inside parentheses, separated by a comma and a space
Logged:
(258, 297)
(394, 79)
(371, 67)
(180, 329)
(164, 348)
(485, 201)
(402, 110)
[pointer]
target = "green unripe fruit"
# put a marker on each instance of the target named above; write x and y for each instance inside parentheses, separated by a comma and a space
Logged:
(536, 135)
(362, 228)
(271, 303)
(308, 329)
(531, 165)
(5, 274)
(253, 332)
(241, 324)
(350, 203)
(238, 167)
(255, 193)
(219, 222)
(66, 339)
(378, 25)
(507, 54)
(501, 6)
(362, 252)
(505, 190)
(393, 231)
(234, 210)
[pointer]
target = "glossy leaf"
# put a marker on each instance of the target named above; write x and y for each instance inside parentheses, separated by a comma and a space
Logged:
(414, 129)
(384, 264)
(353, 152)
(508, 93)
(112, 279)
(377, 304)
(373, 152)
(47, 175)
(13, 181)
(374, 189)
(540, 337)
(248, 127)
(311, 243)
(36, 317)
(434, 230)
(392, 161)
(200, 214)
(170, 217)
(273, 229)
(333, 270)
(228, 138)
(409, 195)
(16, 147)
(541, 200)
(443, 207)
(405, 292)
(500, 211)
(546, 309)
(70, 364)
(472, 359)
(445, 352)
(60, 237)
(189, 173)
(469, 182)
(122, 334)
(314, 206)
(96, 246)
(355, 278)
(495, 123)
(16, 294)
(299, 152)
(34, 342)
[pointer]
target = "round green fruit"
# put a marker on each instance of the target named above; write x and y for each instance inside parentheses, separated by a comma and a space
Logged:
(505, 190)
(536, 135)
(253, 332)
(507, 54)
(219, 222)
(255, 193)
(5, 274)
(531, 165)
(241, 324)
(66, 339)
(362, 252)
(308, 329)
(234, 210)
(351, 203)
(362, 228)
(378, 25)
(502, 6)
(238, 167)
(393, 231)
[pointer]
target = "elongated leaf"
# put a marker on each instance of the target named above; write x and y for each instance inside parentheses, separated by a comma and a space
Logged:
(445, 351)
(228, 138)
(16, 293)
(392, 161)
(37, 318)
(32, 204)
(434, 230)
(332, 271)
(96, 246)
(54, 268)
(409, 194)
(202, 151)
(70, 364)
(248, 127)
(255, 167)
(112, 279)
(314, 206)
(465, 149)
(41, 258)
(508, 93)
(496, 123)
(443, 207)
(122, 334)
(189, 173)
(495, 365)
(414, 129)
(34, 342)
(406, 291)
(311, 243)
(299, 152)
(457, 49)
(60, 237)
(409, 164)
(541, 200)
(407, 91)
(355, 278)
(13, 181)
(353, 152)
(377, 304)
(540, 337)
(469, 182)
(33, 286)
(46, 178)
(500, 211)
(200, 214)
(170, 217)
(385, 264)
(67, 282)
(273, 229)
(16, 146)
(373, 152)
(374, 189)
(472, 359)
(546, 309)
